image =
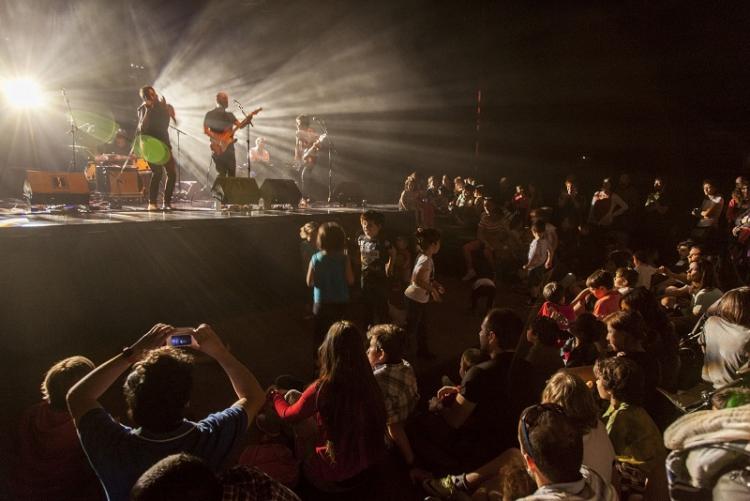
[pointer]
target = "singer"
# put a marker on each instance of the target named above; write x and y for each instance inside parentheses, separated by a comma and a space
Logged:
(154, 116)
(217, 125)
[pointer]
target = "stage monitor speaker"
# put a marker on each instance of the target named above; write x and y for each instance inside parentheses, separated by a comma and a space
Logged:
(348, 192)
(12, 180)
(236, 190)
(115, 182)
(42, 187)
(280, 191)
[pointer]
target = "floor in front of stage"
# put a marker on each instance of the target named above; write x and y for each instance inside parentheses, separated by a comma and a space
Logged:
(17, 214)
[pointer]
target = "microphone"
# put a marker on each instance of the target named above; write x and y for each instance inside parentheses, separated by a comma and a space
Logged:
(236, 102)
(315, 119)
(62, 91)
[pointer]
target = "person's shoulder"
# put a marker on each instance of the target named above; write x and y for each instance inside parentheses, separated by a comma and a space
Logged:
(218, 419)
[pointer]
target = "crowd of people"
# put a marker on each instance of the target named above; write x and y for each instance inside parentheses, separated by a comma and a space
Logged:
(570, 399)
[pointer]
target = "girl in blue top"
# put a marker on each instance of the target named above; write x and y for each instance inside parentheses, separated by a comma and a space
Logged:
(330, 275)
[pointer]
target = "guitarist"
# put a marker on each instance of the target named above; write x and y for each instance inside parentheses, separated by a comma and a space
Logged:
(306, 142)
(216, 122)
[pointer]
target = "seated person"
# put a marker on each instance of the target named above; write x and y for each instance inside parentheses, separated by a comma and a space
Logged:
(587, 343)
(635, 436)
(186, 477)
(573, 395)
(727, 338)
(552, 448)
(397, 381)
(555, 307)
(645, 270)
(479, 424)
(544, 354)
(115, 152)
(157, 390)
(625, 280)
(600, 285)
(340, 419)
(49, 462)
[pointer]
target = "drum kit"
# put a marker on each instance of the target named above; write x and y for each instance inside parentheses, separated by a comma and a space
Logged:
(111, 181)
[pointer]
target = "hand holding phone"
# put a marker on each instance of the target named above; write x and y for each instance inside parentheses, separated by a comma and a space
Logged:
(182, 336)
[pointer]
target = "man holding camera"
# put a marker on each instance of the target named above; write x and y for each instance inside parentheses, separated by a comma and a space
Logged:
(157, 391)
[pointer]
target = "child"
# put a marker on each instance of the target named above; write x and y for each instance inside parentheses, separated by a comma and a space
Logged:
(539, 261)
(330, 275)
(588, 341)
(484, 285)
(376, 257)
(625, 280)
(600, 285)
(423, 287)
(397, 381)
(554, 306)
(469, 358)
(402, 264)
(544, 354)
(634, 435)
(308, 234)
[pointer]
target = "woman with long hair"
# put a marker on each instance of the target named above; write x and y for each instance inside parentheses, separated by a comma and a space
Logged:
(346, 405)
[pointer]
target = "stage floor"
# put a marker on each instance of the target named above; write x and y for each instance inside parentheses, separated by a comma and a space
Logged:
(19, 216)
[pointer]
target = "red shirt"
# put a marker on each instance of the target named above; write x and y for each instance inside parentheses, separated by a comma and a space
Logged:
(607, 304)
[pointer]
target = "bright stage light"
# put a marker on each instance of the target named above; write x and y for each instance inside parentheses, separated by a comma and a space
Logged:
(23, 93)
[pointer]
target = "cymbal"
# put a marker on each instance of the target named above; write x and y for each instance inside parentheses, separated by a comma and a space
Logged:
(77, 147)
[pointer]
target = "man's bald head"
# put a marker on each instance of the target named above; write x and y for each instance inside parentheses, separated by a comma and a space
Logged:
(222, 99)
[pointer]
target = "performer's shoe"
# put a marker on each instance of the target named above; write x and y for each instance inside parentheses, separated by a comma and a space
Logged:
(152, 207)
(167, 208)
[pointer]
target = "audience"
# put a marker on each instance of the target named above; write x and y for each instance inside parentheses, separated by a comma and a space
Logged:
(365, 399)
(340, 418)
(157, 391)
(49, 462)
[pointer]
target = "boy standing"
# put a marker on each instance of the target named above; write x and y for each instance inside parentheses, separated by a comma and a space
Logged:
(397, 381)
(376, 254)
(539, 259)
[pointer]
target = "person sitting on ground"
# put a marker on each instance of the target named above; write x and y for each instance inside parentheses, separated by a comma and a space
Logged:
(479, 424)
(634, 435)
(48, 461)
(544, 354)
(397, 381)
(694, 298)
(157, 391)
(491, 235)
(573, 395)
(709, 458)
(625, 280)
(660, 335)
(694, 254)
(587, 342)
(469, 358)
(188, 478)
(552, 448)
(539, 259)
(727, 336)
(555, 307)
(599, 284)
(340, 419)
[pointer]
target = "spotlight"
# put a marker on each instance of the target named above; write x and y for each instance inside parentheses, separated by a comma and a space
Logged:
(23, 93)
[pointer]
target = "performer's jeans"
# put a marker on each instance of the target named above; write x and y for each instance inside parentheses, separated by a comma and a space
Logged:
(226, 163)
(158, 171)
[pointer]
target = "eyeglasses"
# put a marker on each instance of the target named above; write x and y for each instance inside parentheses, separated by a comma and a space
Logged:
(530, 418)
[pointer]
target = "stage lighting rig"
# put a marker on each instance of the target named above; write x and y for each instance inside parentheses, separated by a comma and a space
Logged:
(23, 93)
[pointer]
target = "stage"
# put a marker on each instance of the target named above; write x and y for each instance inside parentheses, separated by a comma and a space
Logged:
(91, 283)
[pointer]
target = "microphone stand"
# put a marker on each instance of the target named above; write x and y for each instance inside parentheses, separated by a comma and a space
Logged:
(73, 132)
(179, 156)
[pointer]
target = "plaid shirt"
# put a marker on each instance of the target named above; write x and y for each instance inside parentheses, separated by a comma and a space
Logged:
(247, 483)
(399, 386)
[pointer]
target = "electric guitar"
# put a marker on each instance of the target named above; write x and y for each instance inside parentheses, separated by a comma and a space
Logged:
(308, 156)
(222, 140)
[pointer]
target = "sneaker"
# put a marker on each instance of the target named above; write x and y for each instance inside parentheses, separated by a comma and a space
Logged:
(167, 208)
(441, 488)
(469, 275)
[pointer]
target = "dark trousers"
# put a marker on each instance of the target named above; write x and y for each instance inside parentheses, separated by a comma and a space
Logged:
(416, 326)
(157, 172)
(375, 301)
(226, 163)
(325, 315)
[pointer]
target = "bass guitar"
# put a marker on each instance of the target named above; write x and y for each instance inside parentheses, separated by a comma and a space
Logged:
(221, 141)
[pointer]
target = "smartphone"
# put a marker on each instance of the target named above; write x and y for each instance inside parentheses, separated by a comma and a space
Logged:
(181, 340)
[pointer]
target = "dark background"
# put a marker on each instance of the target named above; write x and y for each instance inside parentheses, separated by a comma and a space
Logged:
(643, 87)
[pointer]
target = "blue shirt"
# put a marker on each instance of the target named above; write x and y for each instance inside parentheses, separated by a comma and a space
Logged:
(119, 454)
(329, 278)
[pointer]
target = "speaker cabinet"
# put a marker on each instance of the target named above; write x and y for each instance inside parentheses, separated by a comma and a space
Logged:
(42, 187)
(280, 191)
(115, 182)
(236, 190)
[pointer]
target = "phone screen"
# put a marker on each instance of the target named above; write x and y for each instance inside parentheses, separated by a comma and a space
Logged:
(181, 340)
